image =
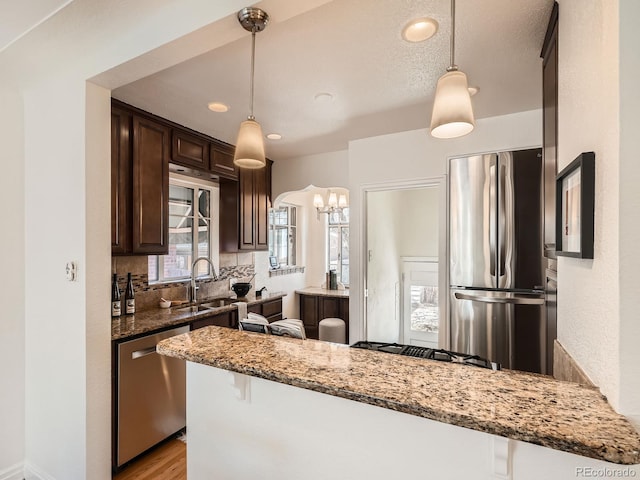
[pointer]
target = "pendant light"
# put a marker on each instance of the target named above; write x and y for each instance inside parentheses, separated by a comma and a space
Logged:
(452, 114)
(250, 144)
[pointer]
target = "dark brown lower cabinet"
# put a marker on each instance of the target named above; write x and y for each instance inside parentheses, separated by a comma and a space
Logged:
(314, 308)
(271, 309)
(226, 319)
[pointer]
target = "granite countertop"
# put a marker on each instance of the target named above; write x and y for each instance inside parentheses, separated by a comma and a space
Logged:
(528, 407)
(148, 321)
(323, 292)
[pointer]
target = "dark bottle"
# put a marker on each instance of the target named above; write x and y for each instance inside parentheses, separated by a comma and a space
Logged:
(116, 304)
(129, 297)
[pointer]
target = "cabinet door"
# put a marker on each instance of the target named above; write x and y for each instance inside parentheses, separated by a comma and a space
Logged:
(262, 204)
(329, 308)
(272, 310)
(244, 211)
(150, 187)
(221, 162)
(189, 150)
(309, 315)
(120, 182)
(220, 320)
(247, 210)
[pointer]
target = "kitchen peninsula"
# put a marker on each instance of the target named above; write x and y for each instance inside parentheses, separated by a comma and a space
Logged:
(311, 409)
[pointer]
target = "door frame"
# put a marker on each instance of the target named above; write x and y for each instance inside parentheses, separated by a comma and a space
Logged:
(441, 297)
(443, 244)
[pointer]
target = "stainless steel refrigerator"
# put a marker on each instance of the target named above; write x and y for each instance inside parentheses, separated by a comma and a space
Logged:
(496, 269)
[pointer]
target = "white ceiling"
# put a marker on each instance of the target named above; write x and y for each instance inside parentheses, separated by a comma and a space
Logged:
(353, 49)
(17, 19)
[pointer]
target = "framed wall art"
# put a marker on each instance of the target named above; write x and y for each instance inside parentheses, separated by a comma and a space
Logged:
(575, 201)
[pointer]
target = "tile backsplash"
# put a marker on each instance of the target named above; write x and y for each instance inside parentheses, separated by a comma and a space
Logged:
(232, 265)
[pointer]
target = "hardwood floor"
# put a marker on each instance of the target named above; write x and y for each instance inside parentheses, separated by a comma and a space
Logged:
(167, 462)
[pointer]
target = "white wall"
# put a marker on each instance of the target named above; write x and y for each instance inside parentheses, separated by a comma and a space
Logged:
(629, 208)
(598, 300)
(322, 170)
(589, 292)
(66, 434)
(12, 341)
(414, 155)
(334, 438)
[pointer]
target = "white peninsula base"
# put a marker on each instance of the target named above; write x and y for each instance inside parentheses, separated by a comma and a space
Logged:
(247, 428)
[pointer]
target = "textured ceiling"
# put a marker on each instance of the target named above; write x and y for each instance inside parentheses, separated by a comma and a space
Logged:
(353, 49)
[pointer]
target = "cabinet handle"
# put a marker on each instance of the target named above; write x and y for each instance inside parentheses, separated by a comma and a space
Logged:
(143, 353)
(224, 167)
(515, 300)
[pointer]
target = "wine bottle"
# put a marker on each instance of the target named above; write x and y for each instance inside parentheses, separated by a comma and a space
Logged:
(129, 297)
(116, 304)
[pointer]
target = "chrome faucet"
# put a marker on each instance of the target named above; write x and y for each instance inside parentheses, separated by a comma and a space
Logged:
(194, 289)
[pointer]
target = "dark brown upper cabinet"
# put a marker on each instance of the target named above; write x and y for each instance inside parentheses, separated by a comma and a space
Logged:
(144, 148)
(189, 150)
(120, 181)
(244, 210)
(150, 186)
(221, 162)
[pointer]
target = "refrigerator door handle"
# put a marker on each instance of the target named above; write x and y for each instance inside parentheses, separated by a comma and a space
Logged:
(514, 300)
(502, 211)
(493, 214)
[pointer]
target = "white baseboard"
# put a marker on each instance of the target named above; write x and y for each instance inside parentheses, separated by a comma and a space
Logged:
(15, 472)
(31, 472)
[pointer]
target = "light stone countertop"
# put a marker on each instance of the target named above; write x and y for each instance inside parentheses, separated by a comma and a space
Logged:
(323, 292)
(157, 319)
(522, 406)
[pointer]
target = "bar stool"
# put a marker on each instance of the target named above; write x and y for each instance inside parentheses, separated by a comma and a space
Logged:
(332, 330)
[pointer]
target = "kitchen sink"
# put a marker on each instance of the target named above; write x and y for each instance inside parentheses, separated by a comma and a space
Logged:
(219, 302)
(195, 308)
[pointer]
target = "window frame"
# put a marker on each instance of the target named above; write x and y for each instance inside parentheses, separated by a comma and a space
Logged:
(341, 226)
(214, 219)
(292, 234)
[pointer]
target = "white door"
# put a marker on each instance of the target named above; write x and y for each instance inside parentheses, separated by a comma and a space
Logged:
(421, 311)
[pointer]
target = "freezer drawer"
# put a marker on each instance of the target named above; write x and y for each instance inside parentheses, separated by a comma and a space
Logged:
(504, 327)
(151, 395)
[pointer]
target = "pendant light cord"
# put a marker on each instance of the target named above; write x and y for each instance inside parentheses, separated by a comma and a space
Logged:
(453, 67)
(253, 60)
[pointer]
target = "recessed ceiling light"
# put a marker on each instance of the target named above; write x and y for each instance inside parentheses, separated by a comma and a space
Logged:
(419, 29)
(218, 107)
(473, 90)
(274, 136)
(323, 97)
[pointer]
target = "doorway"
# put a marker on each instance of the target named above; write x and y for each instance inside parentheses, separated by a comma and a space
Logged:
(405, 236)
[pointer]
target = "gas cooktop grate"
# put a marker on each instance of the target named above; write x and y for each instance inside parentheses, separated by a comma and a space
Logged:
(413, 351)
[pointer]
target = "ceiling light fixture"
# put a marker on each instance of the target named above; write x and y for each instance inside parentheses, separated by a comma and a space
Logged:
(250, 145)
(335, 203)
(452, 114)
(218, 107)
(419, 30)
(274, 136)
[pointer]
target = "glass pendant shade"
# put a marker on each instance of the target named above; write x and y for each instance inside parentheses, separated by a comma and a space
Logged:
(249, 146)
(452, 111)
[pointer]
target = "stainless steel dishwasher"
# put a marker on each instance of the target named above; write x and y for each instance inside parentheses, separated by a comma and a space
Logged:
(151, 395)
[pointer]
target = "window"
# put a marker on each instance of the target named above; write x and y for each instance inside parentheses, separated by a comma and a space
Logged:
(190, 232)
(282, 235)
(338, 244)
